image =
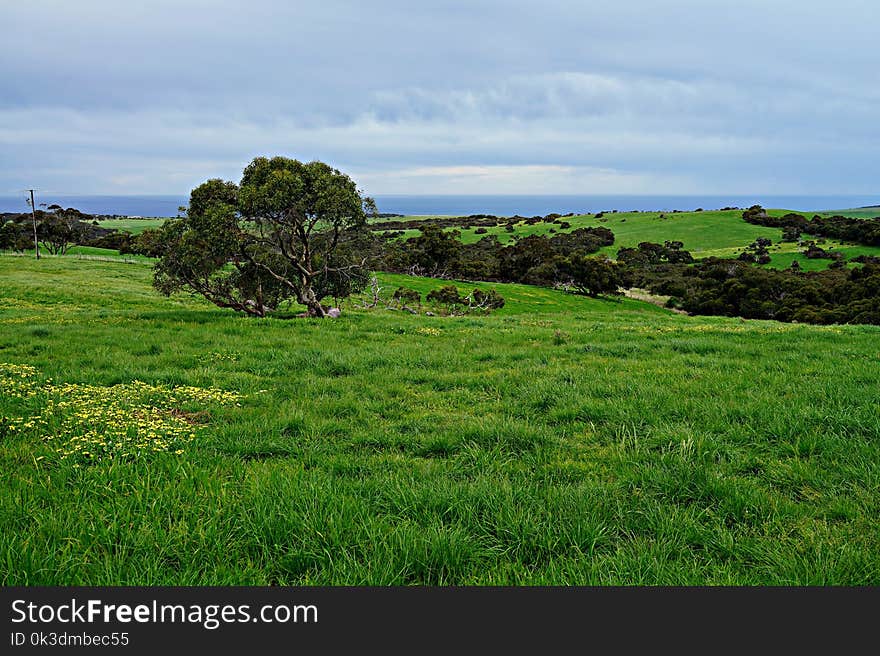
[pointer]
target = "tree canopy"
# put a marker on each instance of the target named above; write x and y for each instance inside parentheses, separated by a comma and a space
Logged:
(288, 230)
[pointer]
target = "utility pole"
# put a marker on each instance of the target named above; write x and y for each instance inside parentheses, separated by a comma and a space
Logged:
(34, 215)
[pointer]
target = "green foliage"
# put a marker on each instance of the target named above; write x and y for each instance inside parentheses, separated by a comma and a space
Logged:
(286, 194)
(864, 231)
(407, 296)
(210, 193)
(487, 300)
(58, 228)
(440, 253)
(434, 252)
(590, 275)
(735, 288)
(648, 253)
(209, 254)
(14, 236)
(452, 302)
(117, 241)
(148, 243)
(449, 298)
(289, 230)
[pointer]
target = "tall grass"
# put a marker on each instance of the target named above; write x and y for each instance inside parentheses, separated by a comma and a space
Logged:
(641, 448)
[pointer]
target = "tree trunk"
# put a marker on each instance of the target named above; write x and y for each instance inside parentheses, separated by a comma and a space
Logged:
(311, 302)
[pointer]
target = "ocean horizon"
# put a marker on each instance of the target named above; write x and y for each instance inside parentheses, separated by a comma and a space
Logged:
(500, 205)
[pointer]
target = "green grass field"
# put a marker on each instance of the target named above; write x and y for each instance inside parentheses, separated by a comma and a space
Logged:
(563, 440)
(705, 234)
(134, 226)
(857, 213)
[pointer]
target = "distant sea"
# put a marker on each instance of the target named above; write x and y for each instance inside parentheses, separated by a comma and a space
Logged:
(463, 205)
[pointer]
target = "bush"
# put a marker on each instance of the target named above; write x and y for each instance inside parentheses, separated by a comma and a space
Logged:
(407, 296)
(451, 301)
(447, 297)
(590, 275)
(117, 241)
(148, 243)
(486, 300)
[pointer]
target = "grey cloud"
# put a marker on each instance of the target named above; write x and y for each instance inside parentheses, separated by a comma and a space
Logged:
(153, 97)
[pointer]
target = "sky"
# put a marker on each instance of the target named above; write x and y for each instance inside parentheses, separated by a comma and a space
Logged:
(456, 97)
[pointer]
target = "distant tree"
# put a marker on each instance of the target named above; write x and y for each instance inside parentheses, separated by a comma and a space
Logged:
(791, 233)
(407, 298)
(590, 275)
(485, 300)
(119, 241)
(674, 253)
(435, 252)
(515, 261)
(148, 242)
(812, 251)
(289, 230)
(648, 253)
(449, 297)
(58, 228)
(754, 213)
(14, 236)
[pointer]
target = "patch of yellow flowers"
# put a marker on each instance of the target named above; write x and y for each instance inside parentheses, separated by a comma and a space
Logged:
(220, 356)
(92, 422)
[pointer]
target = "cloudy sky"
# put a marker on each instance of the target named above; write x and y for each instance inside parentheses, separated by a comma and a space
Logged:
(431, 97)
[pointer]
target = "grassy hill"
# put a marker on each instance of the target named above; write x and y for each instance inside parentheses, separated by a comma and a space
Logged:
(857, 212)
(562, 440)
(705, 234)
(133, 226)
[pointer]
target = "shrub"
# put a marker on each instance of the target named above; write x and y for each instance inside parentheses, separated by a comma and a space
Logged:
(590, 275)
(451, 301)
(487, 300)
(406, 296)
(447, 297)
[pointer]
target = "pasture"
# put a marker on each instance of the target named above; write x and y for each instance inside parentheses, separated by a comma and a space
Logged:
(560, 440)
(705, 234)
(133, 226)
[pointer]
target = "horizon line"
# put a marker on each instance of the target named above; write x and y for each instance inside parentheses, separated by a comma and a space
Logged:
(487, 195)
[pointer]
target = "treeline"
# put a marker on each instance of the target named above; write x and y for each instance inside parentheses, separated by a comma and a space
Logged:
(736, 288)
(568, 261)
(714, 286)
(57, 229)
(843, 228)
(472, 221)
(565, 260)
(557, 260)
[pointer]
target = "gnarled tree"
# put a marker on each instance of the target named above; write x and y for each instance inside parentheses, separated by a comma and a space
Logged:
(59, 228)
(590, 275)
(290, 230)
